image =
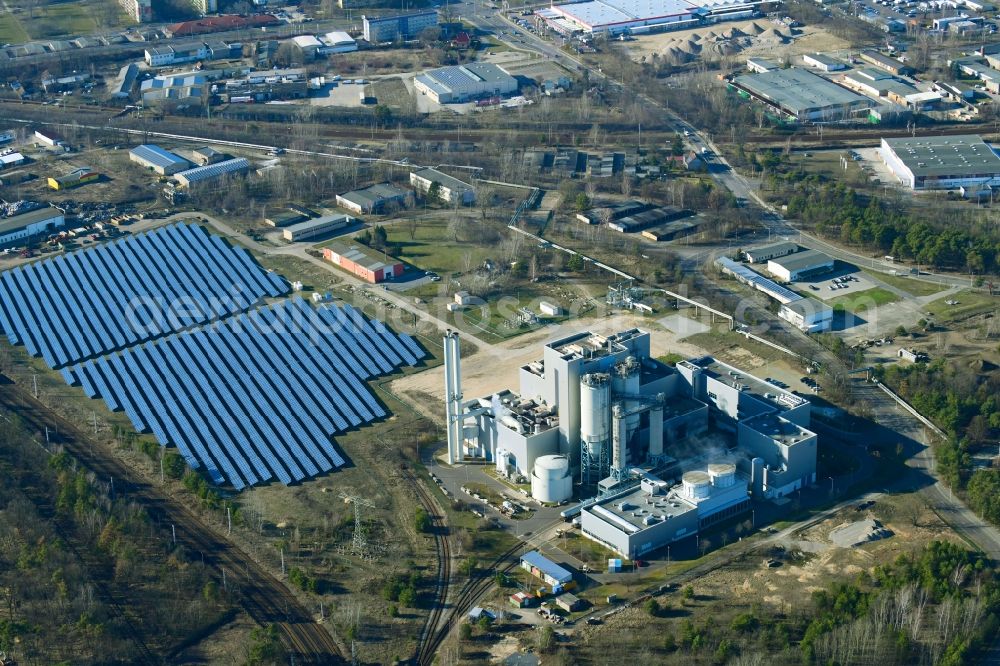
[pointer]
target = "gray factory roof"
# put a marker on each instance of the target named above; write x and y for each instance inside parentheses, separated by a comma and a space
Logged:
(824, 59)
(778, 429)
(435, 176)
(460, 78)
(799, 90)
(157, 156)
(592, 345)
(16, 222)
(680, 405)
(798, 261)
(374, 195)
(875, 56)
(631, 514)
(782, 399)
(959, 155)
(210, 171)
(782, 247)
(205, 151)
(317, 222)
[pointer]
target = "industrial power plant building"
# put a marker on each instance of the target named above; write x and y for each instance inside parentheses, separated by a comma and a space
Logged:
(463, 83)
(941, 162)
(601, 410)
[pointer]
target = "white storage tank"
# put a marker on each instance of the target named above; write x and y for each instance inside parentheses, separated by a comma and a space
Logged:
(625, 381)
(550, 479)
(723, 475)
(595, 411)
(697, 485)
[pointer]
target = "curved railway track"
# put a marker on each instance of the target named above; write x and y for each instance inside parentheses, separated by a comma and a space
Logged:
(262, 596)
(467, 599)
(425, 649)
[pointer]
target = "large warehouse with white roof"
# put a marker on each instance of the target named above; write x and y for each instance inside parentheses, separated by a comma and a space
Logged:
(941, 162)
(463, 83)
(634, 16)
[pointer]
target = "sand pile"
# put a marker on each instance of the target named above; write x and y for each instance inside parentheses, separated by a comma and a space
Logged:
(755, 28)
(772, 36)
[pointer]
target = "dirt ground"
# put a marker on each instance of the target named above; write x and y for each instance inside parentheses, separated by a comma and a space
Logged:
(810, 562)
(759, 37)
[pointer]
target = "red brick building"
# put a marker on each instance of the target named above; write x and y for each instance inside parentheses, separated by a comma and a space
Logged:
(367, 264)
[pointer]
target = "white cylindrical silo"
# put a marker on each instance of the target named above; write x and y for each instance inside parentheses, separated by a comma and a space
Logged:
(697, 485)
(595, 411)
(723, 475)
(550, 479)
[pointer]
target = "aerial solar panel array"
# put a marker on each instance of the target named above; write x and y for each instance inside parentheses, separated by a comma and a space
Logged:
(256, 397)
(112, 296)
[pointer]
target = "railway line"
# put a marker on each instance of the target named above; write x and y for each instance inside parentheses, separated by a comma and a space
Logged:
(467, 599)
(264, 598)
(425, 649)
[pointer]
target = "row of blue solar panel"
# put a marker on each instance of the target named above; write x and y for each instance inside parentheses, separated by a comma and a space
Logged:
(112, 296)
(256, 397)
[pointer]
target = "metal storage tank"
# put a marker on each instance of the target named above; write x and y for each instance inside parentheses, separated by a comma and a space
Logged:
(595, 411)
(697, 484)
(550, 479)
(723, 475)
(625, 380)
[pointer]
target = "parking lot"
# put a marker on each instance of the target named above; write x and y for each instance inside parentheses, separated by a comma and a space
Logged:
(845, 280)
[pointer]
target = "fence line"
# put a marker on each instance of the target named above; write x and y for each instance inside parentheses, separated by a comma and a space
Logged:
(908, 407)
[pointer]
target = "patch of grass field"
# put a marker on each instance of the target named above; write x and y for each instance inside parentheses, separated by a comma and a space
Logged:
(11, 31)
(969, 302)
(914, 287)
(432, 248)
(62, 20)
(863, 300)
(670, 359)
